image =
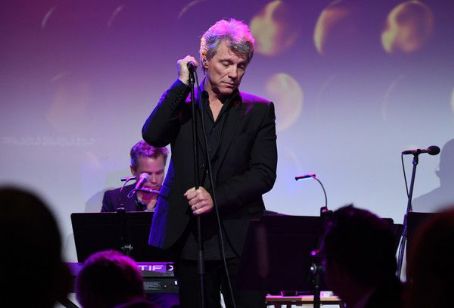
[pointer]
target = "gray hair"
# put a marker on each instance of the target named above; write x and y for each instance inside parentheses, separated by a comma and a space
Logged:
(235, 32)
(142, 148)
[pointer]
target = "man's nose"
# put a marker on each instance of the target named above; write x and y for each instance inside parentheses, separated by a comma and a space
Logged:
(233, 72)
(152, 179)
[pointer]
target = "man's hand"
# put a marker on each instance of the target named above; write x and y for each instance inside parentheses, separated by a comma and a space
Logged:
(182, 68)
(199, 200)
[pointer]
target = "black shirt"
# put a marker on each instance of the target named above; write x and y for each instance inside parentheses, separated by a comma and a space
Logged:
(209, 225)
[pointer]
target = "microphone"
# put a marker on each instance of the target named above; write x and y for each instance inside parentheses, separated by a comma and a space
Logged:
(305, 176)
(432, 150)
(143, 178)
(127, 179)
(191, 67)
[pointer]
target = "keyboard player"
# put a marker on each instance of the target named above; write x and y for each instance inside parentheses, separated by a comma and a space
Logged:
(147, 167)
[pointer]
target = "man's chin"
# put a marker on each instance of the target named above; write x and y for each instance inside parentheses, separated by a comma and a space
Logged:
(224, 90)
(227, 91)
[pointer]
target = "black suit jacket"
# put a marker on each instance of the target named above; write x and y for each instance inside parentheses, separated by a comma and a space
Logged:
(116, 198)
(246, 163)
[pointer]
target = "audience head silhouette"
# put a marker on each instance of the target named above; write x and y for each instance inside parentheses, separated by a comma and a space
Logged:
(31, 252)
(430, 266)
(107, 279)
(358, 256)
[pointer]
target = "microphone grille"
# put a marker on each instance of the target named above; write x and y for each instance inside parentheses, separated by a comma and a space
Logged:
(433, 150)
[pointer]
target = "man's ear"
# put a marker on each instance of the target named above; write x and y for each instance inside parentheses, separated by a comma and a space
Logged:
(204, 61)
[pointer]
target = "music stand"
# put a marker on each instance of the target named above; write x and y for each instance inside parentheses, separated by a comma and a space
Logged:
(126, 232)
(276, 254)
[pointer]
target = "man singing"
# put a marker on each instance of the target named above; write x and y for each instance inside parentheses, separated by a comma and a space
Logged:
(241, 137)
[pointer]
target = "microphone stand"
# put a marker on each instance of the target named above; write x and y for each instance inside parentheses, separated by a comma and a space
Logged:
(125, 241)
(409, 209)
(315, 271)
(200, 259)
(315, 268)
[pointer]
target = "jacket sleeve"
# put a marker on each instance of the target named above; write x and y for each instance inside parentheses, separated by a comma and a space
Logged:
(107, 205)
(260, 175)
(163, 124)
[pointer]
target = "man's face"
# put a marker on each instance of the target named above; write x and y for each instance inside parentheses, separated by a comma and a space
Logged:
(154, 167)
(225, 70)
